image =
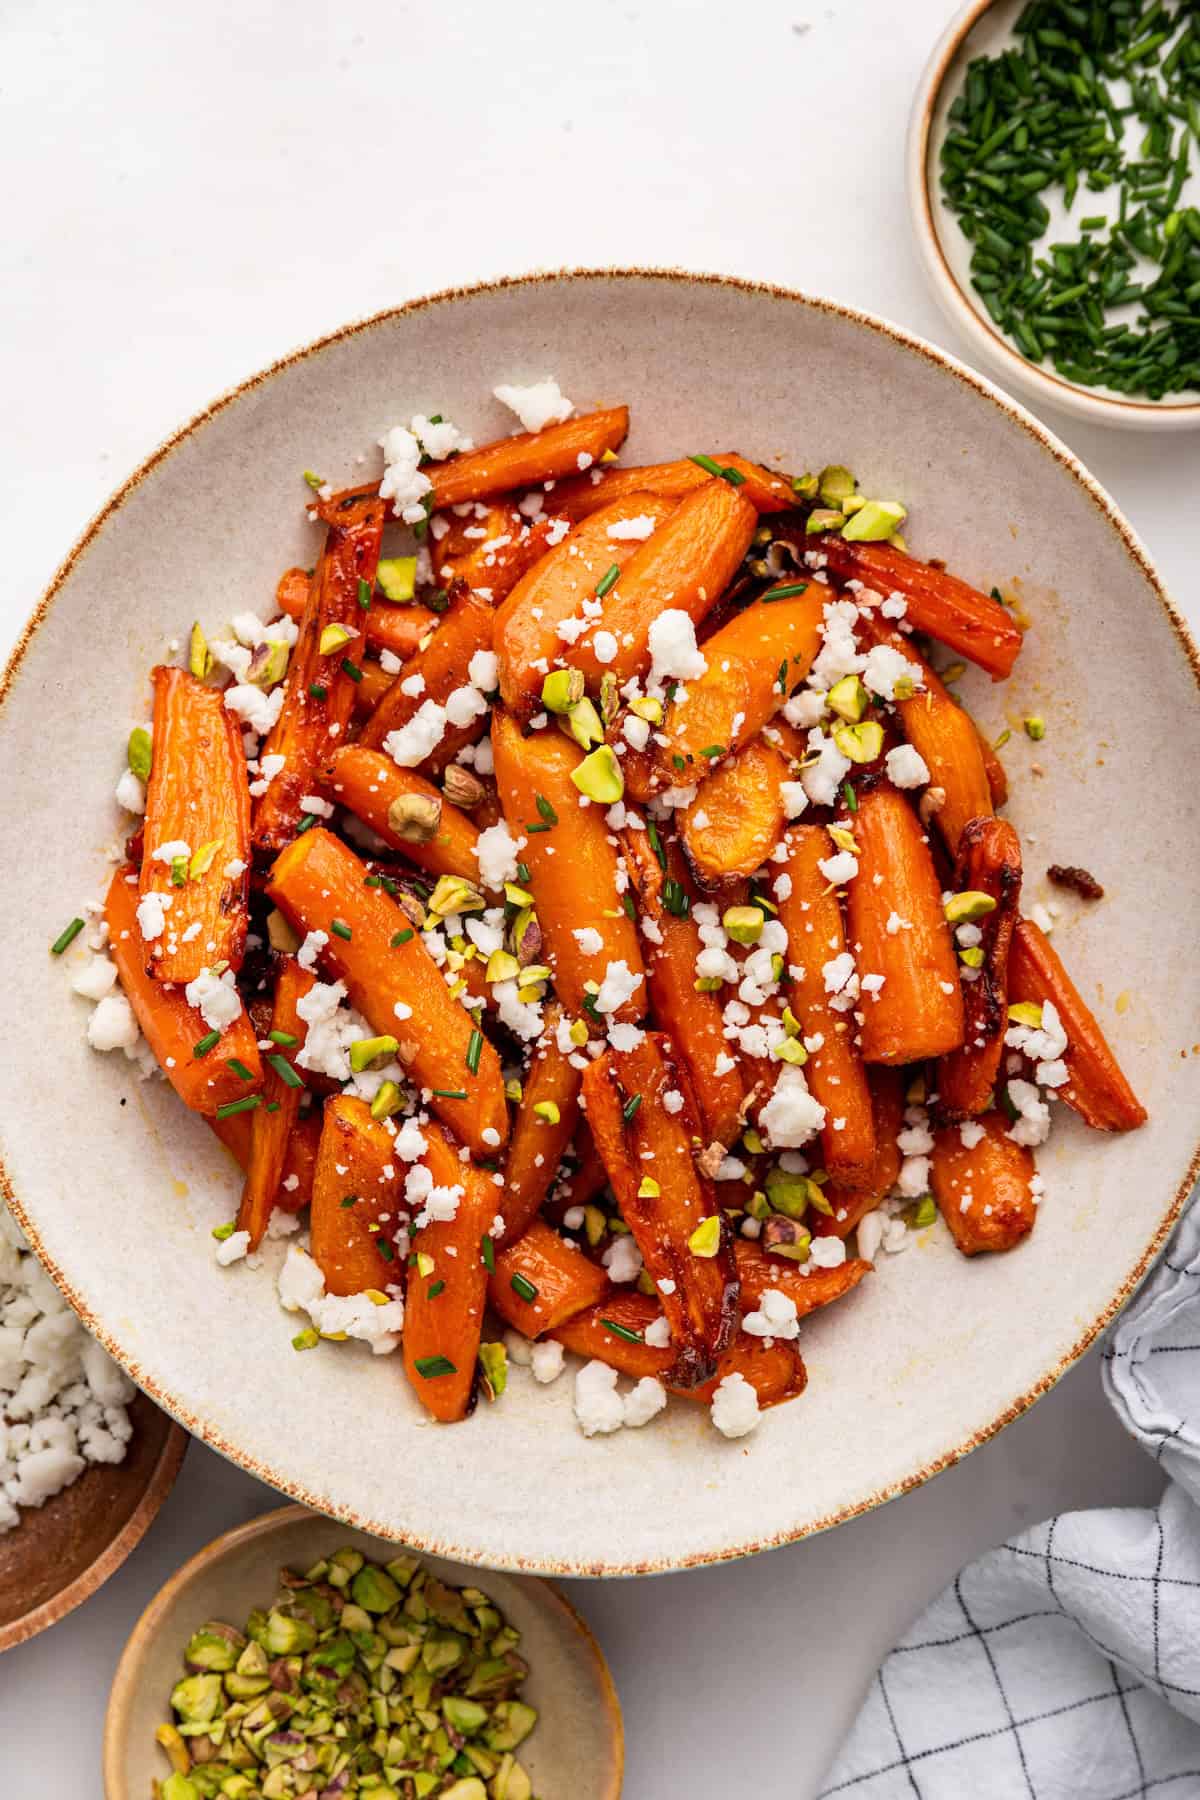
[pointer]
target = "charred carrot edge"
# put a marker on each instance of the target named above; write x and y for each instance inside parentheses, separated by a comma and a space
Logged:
(737, 817)
(918, 1012)
(442, 665)
(693, 556)
(983, 1193)
(809, 1288)
(554, 590)
(989, 862)
(939, 604)
(571, 861)
(581, 496)
(694, 1021)
(527, 458)
(776, 1373)
(589, 1176)
(319, 697)
(387, 626)
(494, 563)
(370, 691)
(997, 774)
(635, 1134)
(272, 1123)
(295, 1190)
(540, 1281)
(442, 1323)
(319, 884)
(352, 1192)
(1097, 1088)
(171, 1027)
(847, 1206)
(812, 918)
(432, 835)
(197, 795)
(539, 1137)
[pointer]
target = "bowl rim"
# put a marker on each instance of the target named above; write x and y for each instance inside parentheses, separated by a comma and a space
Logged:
(956, 302)
(128, 1671)
(1138, 555)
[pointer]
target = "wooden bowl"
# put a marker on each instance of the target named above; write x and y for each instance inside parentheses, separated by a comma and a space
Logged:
(61, 1552)
(578, 1747)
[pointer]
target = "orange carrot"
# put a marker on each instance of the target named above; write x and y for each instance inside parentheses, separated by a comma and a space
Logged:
(989, 862)
(442, 667)
(445, 1299)
(582, 495)
(528, 458)
(355, 1188)
(775, 1372)
(939, 604)
(984, 1192)
(429, 832)
(273, 1123)
(589, 1177)
(490, 553)
(807, 1286)
(848, 1205)
(387, 626)
(539, 1137)
(737, 817)
(540, 1281)
(300, 1158)
(1096, 1088)
(370, 691)
(997, 776)
(197, 798)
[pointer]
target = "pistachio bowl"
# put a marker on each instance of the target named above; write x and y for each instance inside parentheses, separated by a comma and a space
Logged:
(119, 1189)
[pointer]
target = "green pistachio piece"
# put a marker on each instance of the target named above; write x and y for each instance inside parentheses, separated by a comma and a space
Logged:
(848, 698)
(374, 1590)
(197, 1698)
(599, 776)
(583, 723)
(823, 518)
(511, 1723)
(200, 660)
(788, 1193)
(962, 908)
(743, 923)
(875, 522)
(493, 1360)
(397, 577)
(138, 753)
(563, 689)
(835, 484)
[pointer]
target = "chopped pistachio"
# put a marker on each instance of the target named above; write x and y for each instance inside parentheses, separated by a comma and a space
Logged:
(707, 984)
(648, 707)
(648, 1188)
(578, 1032)
(706, 1239)
(200, 660)
(513, 1089)
(875, 522)
(415, 818)
(308, 1339)
(972, 956)
(853, 503)
(583, 723)
(138, 752)
(397, 577)
(1035, 727)
(786, 1237)
(848, 698)
(268, 664)
(517, 896)
(536, 972)
(861, 743)
(387, 1101)
(547, 1111)
(953, 671)
(453, 894)
(960, 909)
(835, 484)
(502, 966)
(462, 787)
(179, 871)
(787, 1193)
(790, 1050)
(791, 1023)
(805, 485)
(844, 838)
(594, 1224)
(823, 518)
(752, 1142)
(372, 1052)
(333, 637)
(743, 924)
(177, 1751)
(562, 689)
(610, 697)
(924, 1212)
(1026, 1012)
(203, 858)
(599, 776)
(493, 1360)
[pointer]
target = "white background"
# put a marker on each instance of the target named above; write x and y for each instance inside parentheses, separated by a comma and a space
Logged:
(190, 191)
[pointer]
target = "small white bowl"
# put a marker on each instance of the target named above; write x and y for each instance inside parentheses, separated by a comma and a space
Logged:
(982, 27)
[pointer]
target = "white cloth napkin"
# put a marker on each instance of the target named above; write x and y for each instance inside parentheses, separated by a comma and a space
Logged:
(1066, 1664)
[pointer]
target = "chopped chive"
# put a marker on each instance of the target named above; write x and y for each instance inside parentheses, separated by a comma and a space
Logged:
(781, 676)
(623, 1331)
(340, 929)
(713, 750)
(401, 937)
(523, 871)
(438, 601)
(785, 593)
(450, 1093)
(349, 1200)
(656, 843)
(351, 669)
(630, 1107)
(545, 810)
(487, 1250)
(271, 1106)
(238, 1106)
(608, 580)
(66, 937)
(474, 1048)
(208, 1042)
(675, 898)
(627, 906)
(433, 1366)
(285, 1038)
(533, 826)
(364, 594)
(434, 1289)
(306, 823)
(284, 1070)
(318, 691)
(734, 477)
(523, 1289)
(850, 797)
(386, 1249)
(373, 881)
(678, 761)
(706, 463)
(239, 1068)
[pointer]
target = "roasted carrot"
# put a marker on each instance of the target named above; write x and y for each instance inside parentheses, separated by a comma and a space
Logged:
(320, 886)
(387, 626)
(272, 1123)
(671, 943)
(693, 556)
(543, 1126)
(540, 1281)
(848, 1205)
(983, 1192)
(812, 918)
(300, 1160)
(572, 865)
(173, 1029)
(1096, 1088)
(663, 1197)
(370, 691)
(446, 1292)
(490, 553)
(775, 1372)
(355, 1197)
(527, 458)
(997, 775)
(319, 697)
(527, 639)
(433, 674)
(939, 604)
(589, 1177)
(405, 810)
(807, 1286)
(197, 828)
(989, 862)
(583, 495)
(918, 1011)
(737, 817)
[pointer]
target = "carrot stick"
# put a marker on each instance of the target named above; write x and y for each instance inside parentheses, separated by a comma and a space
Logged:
(918, 1012)
(441, 667)
(491, 553)
(572, 865)
(319, 697)
(429, 832)
(442, 1323)
(648, 1153)
(694, 1021)
(370, 691)
(939, 604)
(835, 1074)
(997, 775)
(171, 1027)
(847, 1206)
(353, 1191)
(989, 862)
(589, 1176)
(983, 1192)
(582, 495)
(197, 798)
(528, 458)
(539, 1137)
(271, 1130)
(319, 884)
(300, 1159)
(807, 1286)
(562, 1279)
(1096, 1088)
(387, 626)
(737, 817)
(554, 590)
(693, 556)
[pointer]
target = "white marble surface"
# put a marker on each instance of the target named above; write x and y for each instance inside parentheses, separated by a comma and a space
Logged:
(192, 190)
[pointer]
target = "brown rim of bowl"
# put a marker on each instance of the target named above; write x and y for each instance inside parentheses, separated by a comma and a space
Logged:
(120, 1694)
(932, 83)
(1016, 414)
(91, 1579)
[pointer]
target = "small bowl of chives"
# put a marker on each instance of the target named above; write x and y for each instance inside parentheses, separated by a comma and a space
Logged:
(1054, 185)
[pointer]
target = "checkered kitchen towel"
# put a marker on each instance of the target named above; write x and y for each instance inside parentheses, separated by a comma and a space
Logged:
(1066, 1664)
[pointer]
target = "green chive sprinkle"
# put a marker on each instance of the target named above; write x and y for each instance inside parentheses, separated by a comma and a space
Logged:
(306, 823)
(386, 1249)
(487, 1250)
(364, 594)
(350, 1200)
(630, 1107)
(785, 593)
(532, 827)
(707, 464)
(66, 937)
(524, 1290)
(340, 929)
(433, 1366)
(734, 477)
(287, 1039)
(545, 810)
(401, 937)
(285, 1071)
(627, 906)
(236, 1106)
(713, 750)
(434, 1289)
(474, 1049)
(623, 1331)
(351, 669)
(317, 691)
(608, 580)
(850, 797)
(523, 872)
(782, 676)
(656, 843)
(450, 1093)
(271, 1106)
(675, 898)
(208, 1042)
(438, 601)
(239, 1068)
(678, 761)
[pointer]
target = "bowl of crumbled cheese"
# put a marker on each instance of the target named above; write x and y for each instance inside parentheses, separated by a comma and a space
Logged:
(86, 1460)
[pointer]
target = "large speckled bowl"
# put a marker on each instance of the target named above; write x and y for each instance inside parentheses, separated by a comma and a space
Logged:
(119, 1189)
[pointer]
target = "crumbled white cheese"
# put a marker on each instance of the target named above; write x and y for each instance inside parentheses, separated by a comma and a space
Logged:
(409, 744)
(598, 1406)
(673, 651)
(643, 1401)
(822, 778)
(791, 1116)
(776, 1314)
(546, 1360)
(618, 987)
(840, 868)
(254, 708)
(498, 853)
(403, 483)
(734, 1407)
(301, 1288)
(623, 1259)
(215, 997)
(537, 405)
(131, 792)
(233, 1248)
(827, 1252)
(96, 978)
(627, 530)
(151, 911)
(588, 939)
(112, 1025)
(884, 667)
(906, 767)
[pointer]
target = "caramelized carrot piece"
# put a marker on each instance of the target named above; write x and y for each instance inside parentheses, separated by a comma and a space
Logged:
(918, 1012)
(644, 1147)
(693, 1021)
(319, 697)
(318, 884)
(171, 1027)
(589, 1176)
(271, 1130)
(197, 796)
(370, 691)
(812, 918)
(442, 665)
(371, 785)
(776, 1373)
(808, 1287)
(527, 640)
(939, 604)
(1097, 1089)
(527, 458)
(443, 1313)
(561, 1278)
(693, 556)
(300, 1159)
(737, 817)
(539, 1139)
(997, 775)
(491, 563)
(847, 1206)
(582, 495)
(984, 1192)
(989, 862)
(387, 626)
(353, 1190)
(572, 863)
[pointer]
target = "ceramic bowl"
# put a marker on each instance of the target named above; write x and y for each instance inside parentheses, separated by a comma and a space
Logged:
(982, 28)
(61, 1552)
(577, 1748)
(119, 1189)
